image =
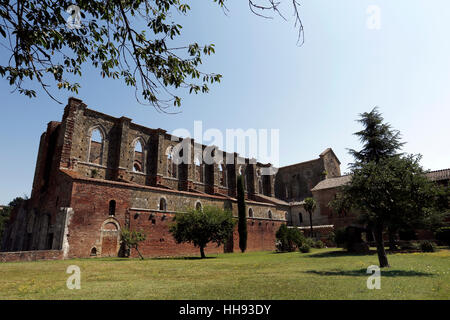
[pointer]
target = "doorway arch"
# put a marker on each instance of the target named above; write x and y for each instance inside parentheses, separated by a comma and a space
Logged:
(110, 238)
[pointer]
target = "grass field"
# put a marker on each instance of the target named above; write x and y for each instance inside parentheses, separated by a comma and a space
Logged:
(321, 274)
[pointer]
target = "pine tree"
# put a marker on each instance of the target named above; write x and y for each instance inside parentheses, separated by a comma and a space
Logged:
(379, 139)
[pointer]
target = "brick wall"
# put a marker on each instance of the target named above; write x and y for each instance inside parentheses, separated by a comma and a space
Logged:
(138, 208)
(30, 255)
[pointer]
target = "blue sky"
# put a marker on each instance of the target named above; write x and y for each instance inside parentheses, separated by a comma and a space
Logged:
(313, 93)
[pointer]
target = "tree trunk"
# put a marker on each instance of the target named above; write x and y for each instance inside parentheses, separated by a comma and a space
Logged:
(202, 252)
(382, 258)
(392, 245)
(140, 255)
(310, 223)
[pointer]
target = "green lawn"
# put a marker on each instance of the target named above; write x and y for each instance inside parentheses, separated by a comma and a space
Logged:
(321, 274)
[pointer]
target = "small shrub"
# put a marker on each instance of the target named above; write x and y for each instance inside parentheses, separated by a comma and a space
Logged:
(427, 246)
(310, 242)
(131, 239)
(319, 244)
(305, 248)
(288, 239)
(296, 236)
(332, 238)
(279, 245)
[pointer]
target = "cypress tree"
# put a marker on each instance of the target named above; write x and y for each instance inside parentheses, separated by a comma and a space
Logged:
(242, 222)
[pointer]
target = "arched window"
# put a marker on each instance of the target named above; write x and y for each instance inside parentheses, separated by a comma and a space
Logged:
(198, 206)
(259, 179)
(172, 168)
(242, 172)
(222, 175)
(250, 213)
(300, 217)
(162, 204)
(96, 147)
(270, 214)
(112, 208)
(94, 251)
(138, 157)
(199, 169)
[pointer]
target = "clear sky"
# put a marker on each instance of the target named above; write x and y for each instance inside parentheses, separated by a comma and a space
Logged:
(313, 93)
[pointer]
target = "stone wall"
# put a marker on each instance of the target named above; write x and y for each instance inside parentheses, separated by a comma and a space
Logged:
(114, 156)
(328, 216)
(294, 182)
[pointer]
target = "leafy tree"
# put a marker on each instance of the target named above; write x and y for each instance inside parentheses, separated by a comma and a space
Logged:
(5, 213)
(389, 189)
(134, 41)
(340, 204)
(131, 239)
(310, 206)
(4, 218)
(392, 192)
(201, 227)
(242, 218)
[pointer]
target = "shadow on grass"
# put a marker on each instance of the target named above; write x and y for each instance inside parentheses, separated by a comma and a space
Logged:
(280, 252)
(363, 273)
(342, 253)
(115, 259)
(181, 258)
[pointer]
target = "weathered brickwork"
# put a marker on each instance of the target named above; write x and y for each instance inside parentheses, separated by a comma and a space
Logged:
(96, 174)
(30, 255)
(294, 183)
(86, 190)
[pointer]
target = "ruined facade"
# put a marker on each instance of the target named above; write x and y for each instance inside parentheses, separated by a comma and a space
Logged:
(96, 174)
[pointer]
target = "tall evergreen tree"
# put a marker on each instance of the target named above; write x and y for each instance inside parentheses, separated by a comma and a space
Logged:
(242, 222)
(378, 138)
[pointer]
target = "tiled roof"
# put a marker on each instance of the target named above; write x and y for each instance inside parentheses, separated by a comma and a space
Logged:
(332, 183)
(264, 198)
(296, 203)
(317, 227)
(437, 175)
(340, 181)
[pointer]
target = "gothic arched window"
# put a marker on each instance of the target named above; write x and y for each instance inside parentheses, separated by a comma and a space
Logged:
(172, 168)
(138, 156)
(162, 204)
(96, 147)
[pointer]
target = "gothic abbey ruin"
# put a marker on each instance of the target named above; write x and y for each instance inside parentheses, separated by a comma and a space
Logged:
(96, 174)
